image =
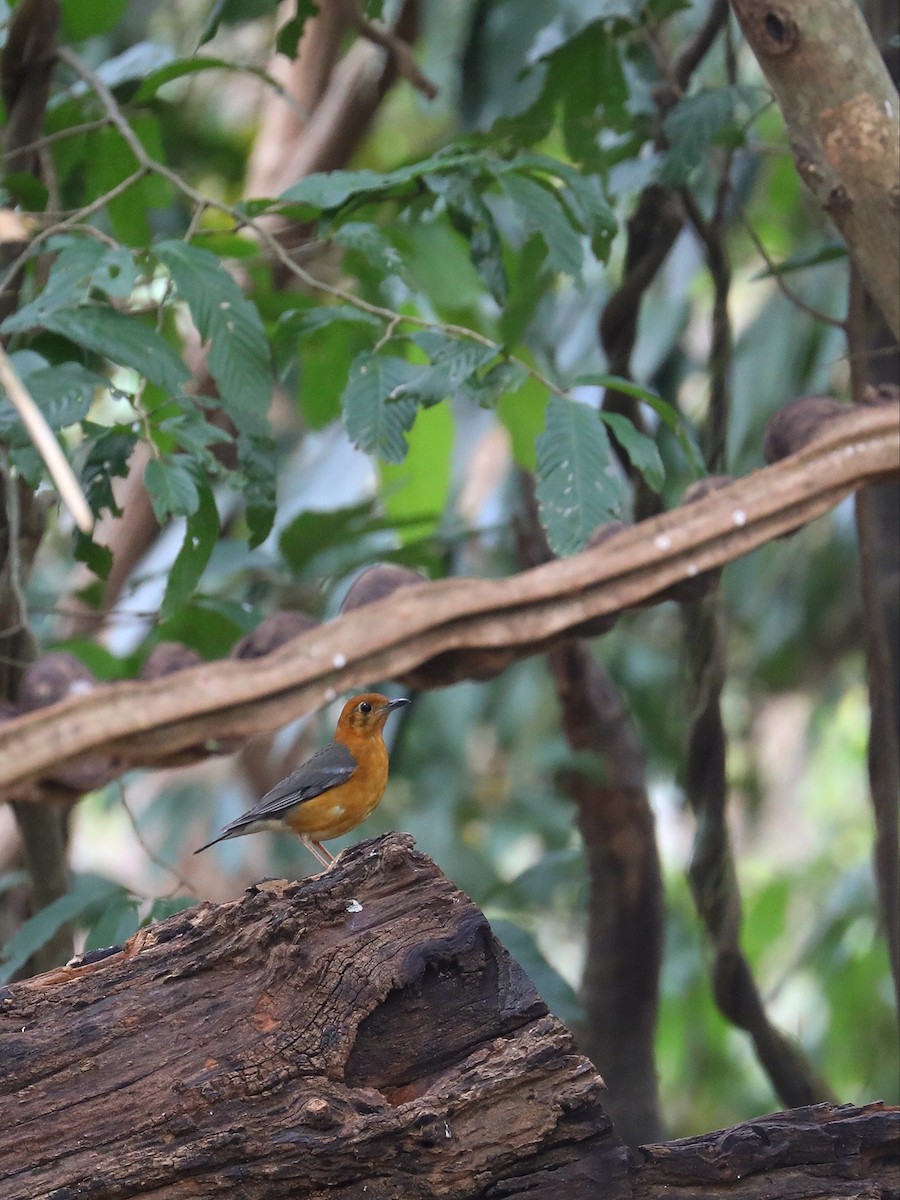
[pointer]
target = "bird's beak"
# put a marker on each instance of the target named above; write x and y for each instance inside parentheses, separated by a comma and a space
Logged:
(392, 704)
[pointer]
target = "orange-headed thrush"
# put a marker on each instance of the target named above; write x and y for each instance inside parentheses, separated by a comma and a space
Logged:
(334, 790)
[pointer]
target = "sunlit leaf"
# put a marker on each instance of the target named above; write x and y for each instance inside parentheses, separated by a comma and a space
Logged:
(640, 448)
(200, 534)
(375, 418)
(578, 485)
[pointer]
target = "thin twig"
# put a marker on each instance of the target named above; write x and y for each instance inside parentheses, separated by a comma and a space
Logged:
(46, 445)
(785, 288)
(151, 854)
(384, 37)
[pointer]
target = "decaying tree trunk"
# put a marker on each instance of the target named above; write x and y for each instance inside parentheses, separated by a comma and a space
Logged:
(359, 1034)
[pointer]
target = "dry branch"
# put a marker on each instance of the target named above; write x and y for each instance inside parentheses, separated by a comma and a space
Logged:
(152, 722)
(358, 1035)
(843, 115)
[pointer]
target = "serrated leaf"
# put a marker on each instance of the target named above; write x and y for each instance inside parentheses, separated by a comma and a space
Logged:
(68, 284)
(128, 341)
(669, 416)
(201, 532)
(470, 216)
(171, 486)
(374, 418)
(256, 456)
(542, 212)
(640, 448)
(64, 394)
(371, 242)
(578, 487)
(238, 358)
(691, 127)
(453, 362)
(107, 458)
(502, 379)
(582, 193)
(330, 189)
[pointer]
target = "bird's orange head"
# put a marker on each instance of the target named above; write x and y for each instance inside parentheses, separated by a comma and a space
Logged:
(364, 716)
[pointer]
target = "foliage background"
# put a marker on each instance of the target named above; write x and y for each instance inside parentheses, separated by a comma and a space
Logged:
(527, 257)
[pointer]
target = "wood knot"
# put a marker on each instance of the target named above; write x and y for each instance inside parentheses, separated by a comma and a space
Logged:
(319, 1113)
(838, 200)
(778, 32)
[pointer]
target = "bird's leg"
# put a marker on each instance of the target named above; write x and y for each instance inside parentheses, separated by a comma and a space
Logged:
(325, 857)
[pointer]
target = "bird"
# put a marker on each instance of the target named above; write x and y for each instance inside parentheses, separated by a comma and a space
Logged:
(334, 790)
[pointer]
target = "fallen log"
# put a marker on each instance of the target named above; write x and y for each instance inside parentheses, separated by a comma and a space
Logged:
(359, 1034)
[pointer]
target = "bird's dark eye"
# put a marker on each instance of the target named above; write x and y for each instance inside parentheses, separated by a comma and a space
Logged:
(365, 707)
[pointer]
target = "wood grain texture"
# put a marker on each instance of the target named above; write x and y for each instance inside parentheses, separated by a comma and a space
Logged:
(361, 1033)
(357, 1036)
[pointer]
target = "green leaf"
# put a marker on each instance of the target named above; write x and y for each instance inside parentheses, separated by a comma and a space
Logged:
(108, 453)
(524, 416)
(369, 241)
(453, 362)
(640, 448)
(669, 416)
(82, 19)
(86, 895)
(96, 557)
(201, 532)
(691, 127)
(64, 393)
(502, 379)
(256, 456)
(115, 924)
(470, 216)
(578, 486)
(416, 491)
(178, 69)
(69, 283)
(328, 190)
(299, 322)
(128, 341)
(171, 486)
(542, 212)
(238, 359)
(375, 419)
(803, 260)
(317, 532)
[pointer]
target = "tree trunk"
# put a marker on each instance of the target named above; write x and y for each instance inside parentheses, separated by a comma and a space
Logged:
(360, 1034)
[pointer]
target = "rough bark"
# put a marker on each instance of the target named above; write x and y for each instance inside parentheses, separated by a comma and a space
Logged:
(843, 115)
(26, 66)
(361, 1034)
(448, 629)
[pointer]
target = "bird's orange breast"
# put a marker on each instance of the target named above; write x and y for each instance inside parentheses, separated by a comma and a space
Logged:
(342, 808)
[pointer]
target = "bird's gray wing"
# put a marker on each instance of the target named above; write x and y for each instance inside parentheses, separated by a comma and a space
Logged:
(328, 768)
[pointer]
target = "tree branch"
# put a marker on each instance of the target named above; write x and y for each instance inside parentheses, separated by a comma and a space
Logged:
(451, 622)
(843, 115)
